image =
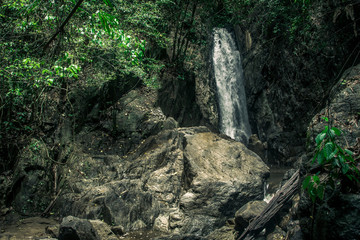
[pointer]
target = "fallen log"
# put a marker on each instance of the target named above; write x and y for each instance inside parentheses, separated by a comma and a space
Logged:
(279, 199)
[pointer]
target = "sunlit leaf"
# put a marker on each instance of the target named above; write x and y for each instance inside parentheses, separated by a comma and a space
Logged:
(328, 150)
(319, 138)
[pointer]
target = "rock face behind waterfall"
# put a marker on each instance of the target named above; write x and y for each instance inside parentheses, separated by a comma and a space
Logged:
(181, 181)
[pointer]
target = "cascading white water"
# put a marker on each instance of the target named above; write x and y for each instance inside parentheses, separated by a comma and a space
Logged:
(234, 120)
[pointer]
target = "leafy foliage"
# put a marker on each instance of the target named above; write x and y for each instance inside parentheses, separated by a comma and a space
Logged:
(102, 41)
(334, 160)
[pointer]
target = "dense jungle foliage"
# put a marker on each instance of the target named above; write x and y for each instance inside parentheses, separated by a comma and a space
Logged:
(51, 49)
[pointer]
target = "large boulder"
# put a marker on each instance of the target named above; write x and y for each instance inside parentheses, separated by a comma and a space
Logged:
(73, 228)
(77, 229)
(30, 186)
(181, 181)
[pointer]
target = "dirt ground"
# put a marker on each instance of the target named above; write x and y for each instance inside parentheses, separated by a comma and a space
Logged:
(16, 227)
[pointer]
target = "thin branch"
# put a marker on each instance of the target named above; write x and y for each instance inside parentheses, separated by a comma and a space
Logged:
(61, 28)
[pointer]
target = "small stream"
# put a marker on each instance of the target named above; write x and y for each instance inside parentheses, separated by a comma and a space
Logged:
(273, 182)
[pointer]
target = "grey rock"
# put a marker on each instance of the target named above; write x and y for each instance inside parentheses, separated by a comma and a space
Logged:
(277, 234)
(103, 231)
(118, 230)
(246, 213)
(180, 237)
(223, 233)
(339, 220)
(295, 232)
(161, 223)
(183, 181)
(53, 230)
(170, 123)
(181, 99)
(73, 228)
(257, 146)
(31, 180)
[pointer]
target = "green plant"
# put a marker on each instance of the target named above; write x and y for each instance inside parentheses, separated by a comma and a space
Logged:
(332, 159)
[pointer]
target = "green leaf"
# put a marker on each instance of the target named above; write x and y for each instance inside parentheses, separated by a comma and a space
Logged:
(349, 152)
(328, 150)
(316, 179)
(336, 163)
(47, 71)
(319, 138)
(341, 158)
(320, 192)
(336, 131)
(333, 154)
(312, 194)
(345, 168)
(332, 133)
(325, 129)
(108, 2)
(321, 158)
(306, 182)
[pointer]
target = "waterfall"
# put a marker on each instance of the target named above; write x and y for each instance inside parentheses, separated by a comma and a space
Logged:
(234, 120)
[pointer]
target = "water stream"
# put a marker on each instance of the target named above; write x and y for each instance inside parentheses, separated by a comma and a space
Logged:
(234, 120)
(272, 184)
